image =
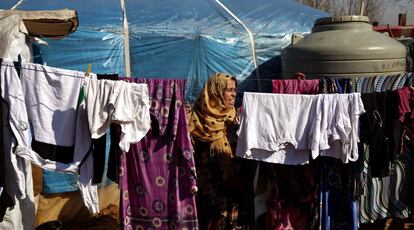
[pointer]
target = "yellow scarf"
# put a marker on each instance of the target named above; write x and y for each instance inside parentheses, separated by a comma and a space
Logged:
(210, 116)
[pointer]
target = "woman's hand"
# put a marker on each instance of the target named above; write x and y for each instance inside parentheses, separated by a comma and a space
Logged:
(237, 119)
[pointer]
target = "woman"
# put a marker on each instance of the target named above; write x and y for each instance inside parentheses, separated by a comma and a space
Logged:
(218, 174)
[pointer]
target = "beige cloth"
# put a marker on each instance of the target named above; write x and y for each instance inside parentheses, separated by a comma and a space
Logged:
(69, 207)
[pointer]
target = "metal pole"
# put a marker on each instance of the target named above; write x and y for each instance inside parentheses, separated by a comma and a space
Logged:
(126, 42)
(251, 38)
(362, 9)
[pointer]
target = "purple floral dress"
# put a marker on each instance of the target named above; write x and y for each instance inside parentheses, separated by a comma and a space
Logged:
(158, 173)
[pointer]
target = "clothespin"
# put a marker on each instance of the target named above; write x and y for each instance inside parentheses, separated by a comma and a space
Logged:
(82, 90)
(88, 71)
(19, 60)
(18, 64)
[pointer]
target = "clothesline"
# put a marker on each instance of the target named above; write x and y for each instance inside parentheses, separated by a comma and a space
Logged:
(68, 75)
(245, 80)
(44, 71)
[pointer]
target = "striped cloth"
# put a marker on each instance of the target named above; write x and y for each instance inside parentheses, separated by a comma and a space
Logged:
(388, 196)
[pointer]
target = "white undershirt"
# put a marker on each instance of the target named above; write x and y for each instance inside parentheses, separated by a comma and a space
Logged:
(120, 102)
(289, 128)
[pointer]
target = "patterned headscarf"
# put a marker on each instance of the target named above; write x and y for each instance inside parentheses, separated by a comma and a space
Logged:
(211, 115)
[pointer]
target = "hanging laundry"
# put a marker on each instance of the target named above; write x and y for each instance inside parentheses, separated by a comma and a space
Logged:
(406, 113)
(291, 190)
(99, 155)
(285, 128)
(337, 206)
(339, 126)
(55, 182)
(277, 131)
(18, 185)
(126, 104)
(336, 180)
(389, 196)
(157, 175)
(292, 200)
(142, 104)
(382, 83)
(114, 154)
(99, 144)
(57, 114)
(295, 86)
(17, 134)
(381, 129)
(5, 199)
(52, 96)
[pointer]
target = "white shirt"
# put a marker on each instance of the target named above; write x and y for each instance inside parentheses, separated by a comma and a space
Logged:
(120, 102)
(52, 98)
(16, 133)
(286, 128)
(337, 127)
(276, 127)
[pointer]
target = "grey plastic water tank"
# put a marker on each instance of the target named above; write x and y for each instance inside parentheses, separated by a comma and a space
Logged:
(344, 46)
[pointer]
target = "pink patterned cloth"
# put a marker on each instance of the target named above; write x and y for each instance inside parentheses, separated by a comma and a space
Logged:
(157, 175)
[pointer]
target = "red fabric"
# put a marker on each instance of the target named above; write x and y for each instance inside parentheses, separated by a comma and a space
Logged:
(296, 86)
(397, 31)
(285, 216)
(406, 110)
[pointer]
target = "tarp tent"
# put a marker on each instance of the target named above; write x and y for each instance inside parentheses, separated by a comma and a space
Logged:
(174, 38)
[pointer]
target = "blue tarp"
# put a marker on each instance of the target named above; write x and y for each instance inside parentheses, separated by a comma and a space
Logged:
(188, 39)
(185, 39)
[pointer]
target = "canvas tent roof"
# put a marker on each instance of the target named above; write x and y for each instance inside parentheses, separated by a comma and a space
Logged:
(47, 23)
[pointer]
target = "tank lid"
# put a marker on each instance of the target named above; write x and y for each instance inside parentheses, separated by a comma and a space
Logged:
(337, 19)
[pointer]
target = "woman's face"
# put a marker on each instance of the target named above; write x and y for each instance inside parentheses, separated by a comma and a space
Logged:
(229, 94)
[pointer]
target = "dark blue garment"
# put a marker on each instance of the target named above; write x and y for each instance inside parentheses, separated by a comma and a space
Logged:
(338, 208)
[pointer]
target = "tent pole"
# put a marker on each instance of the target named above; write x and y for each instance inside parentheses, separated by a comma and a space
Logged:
(16, 5)
(362, 8)
(126, 42)
(251, 38)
